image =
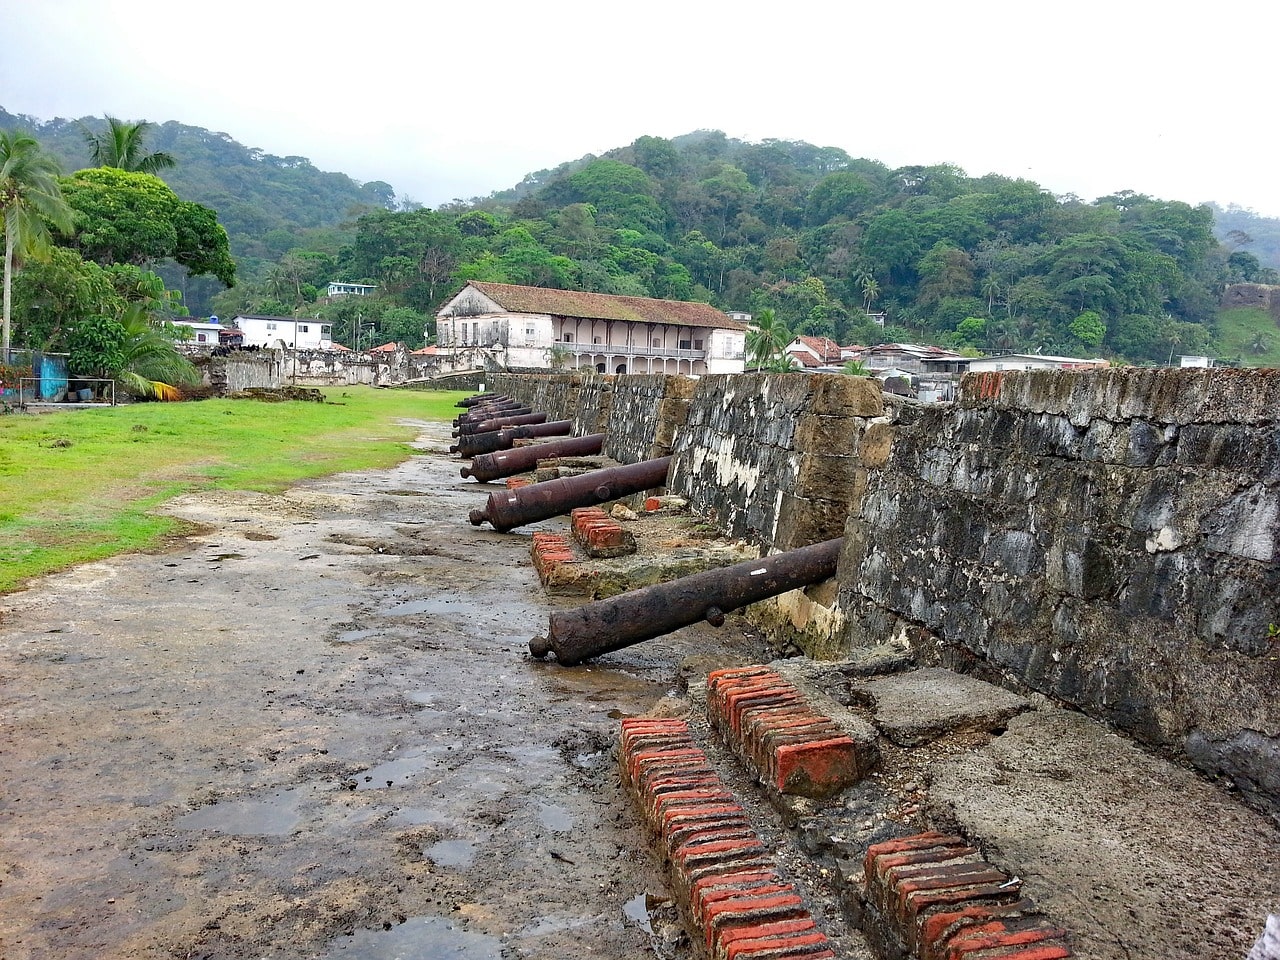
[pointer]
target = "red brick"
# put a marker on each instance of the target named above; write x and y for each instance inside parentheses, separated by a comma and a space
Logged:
(734, 882)
(815, 769)
(937, 928)
(776, 948)
(750, 911)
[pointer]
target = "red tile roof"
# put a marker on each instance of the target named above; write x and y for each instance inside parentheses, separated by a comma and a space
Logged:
(388, 347)
(827, 351)
(603, 306)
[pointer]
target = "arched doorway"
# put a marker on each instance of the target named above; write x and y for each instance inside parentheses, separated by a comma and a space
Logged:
(622, 368)
(601, 368)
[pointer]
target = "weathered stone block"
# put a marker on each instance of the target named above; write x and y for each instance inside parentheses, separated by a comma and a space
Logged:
(844, 396)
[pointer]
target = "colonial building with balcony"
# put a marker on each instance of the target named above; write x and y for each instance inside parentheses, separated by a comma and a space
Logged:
(535, 328)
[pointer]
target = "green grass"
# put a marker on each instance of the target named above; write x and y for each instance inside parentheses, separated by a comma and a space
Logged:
(1236, 329)
(82, 484)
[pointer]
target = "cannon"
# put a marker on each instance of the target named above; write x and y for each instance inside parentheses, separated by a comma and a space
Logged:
(476, 414)
(639, 615)
(477, 443)
(507, 463)
(476, 398)
(508, 509)
(515, 418)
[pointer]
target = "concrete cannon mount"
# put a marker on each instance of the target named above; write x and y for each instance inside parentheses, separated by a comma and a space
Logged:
(311, 730)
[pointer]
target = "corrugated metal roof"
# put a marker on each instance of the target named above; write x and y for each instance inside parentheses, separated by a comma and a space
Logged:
(603, 306)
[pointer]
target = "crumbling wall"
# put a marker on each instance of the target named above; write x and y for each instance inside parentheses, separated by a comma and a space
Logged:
(1109, 538)
(242, 370)
(780, 459)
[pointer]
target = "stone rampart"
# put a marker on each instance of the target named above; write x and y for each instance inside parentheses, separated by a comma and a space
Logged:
(1110, 539)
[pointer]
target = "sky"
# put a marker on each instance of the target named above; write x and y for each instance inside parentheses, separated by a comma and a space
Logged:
(448, 100)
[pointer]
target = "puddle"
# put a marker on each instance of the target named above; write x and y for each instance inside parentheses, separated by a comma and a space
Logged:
(546, 925)
(398, 771)
(224, 556)
(351, 636)
(555, 817)
(418, 938)
(637, 911)
(271, 816)
(416, 816)
(451, 853)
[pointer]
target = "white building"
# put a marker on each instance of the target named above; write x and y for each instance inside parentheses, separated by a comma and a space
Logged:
(538, 328)
(338, 288)
(203, 333)
(303, 333)
(1032, 361)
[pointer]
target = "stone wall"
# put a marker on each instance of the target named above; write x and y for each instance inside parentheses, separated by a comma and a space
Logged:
(1110, 539)
(241, 370)
(780, 459)
(1262, 295)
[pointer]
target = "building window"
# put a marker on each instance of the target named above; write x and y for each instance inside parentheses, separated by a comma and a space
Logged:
(304, 328)
(697, 345)
(271, 326)
(598, 340)
(568, 338)
(326, 331)
(530, 331)
(200, 338)
(657, 342)
(685, 345)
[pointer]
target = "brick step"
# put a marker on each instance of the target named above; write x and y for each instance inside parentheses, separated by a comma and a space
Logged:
(601, 535)
(790, 746)
(725, 880)
(933, 895)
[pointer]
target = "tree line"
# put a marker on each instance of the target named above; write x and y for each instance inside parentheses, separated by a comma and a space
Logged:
(824, 240)
(80, 251)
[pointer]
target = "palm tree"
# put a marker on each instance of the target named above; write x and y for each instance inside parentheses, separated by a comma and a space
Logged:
(766, 338)
(870, 290)
(151, 366)
(120, 145)
(30, 200)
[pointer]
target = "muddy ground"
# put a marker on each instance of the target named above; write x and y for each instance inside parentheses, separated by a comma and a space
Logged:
(312, 729)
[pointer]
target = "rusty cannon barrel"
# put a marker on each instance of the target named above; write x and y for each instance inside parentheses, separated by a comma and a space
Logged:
(639, 615)
(508, 509)
(476, 414)
(513, 418)
(507, 463)
(477, 398)
(475, 444)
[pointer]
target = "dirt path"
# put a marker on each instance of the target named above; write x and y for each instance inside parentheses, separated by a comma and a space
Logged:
(314, 731)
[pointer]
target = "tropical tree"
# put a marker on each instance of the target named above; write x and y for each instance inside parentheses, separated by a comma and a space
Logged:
(856, 368)
(870, 291)
(133, 349)
(120, 145)
(766, 339)
(30, 198)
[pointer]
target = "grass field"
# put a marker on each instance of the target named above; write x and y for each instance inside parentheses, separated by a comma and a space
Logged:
(1236, 329)
(80, 485)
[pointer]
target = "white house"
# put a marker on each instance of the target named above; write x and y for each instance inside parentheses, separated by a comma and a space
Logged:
(203, 333)
(337, 288)
(304, 333)
(538, 328)
(1031, 361)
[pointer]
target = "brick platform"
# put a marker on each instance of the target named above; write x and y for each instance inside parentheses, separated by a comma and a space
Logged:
(934, 896)
(600, 534)
(790, 746)
(725, 880)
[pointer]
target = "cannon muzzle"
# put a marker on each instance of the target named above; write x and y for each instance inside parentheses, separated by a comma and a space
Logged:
(507, 463)
(508, 509)
(639, 615)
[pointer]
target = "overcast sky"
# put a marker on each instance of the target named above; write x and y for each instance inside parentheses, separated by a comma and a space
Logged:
(447, 99)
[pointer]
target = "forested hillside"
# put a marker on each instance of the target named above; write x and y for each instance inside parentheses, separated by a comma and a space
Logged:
(268, 205)
(820, 237)
(823, 238)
